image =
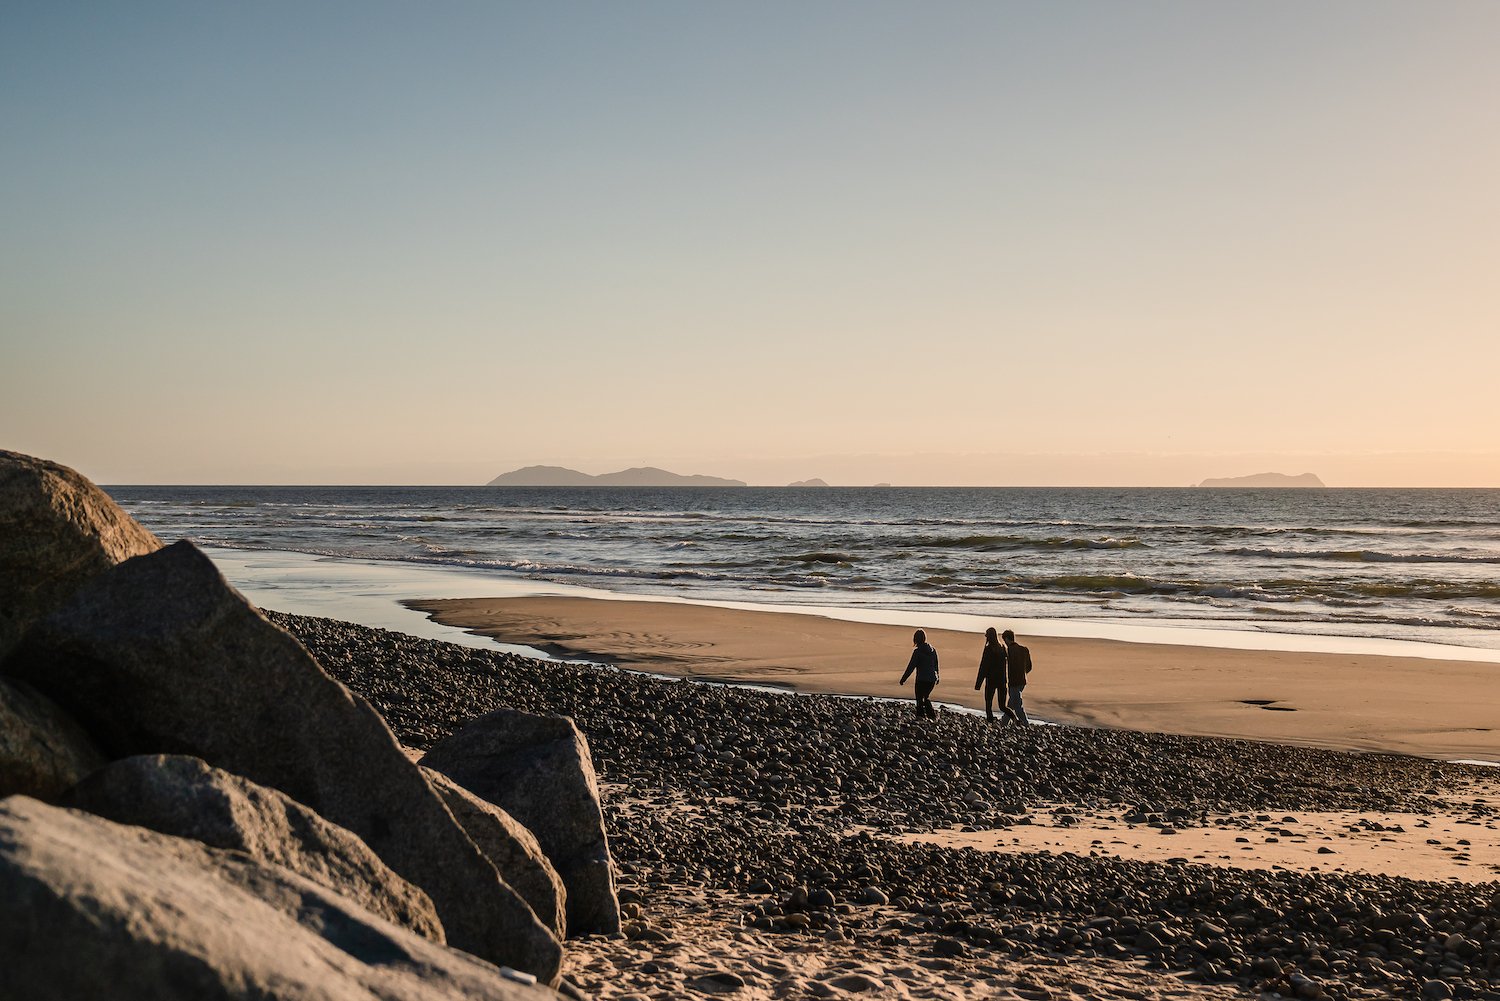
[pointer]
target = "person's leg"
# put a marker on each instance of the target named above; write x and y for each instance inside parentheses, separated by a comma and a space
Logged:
(1017, 706)
(924, 689)
(989, 702)
(1004, 702)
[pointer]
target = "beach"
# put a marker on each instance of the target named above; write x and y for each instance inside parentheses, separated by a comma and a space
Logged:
(782, 845)
(1433, 708)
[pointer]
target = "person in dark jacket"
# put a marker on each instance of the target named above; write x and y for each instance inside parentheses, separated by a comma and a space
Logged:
(924, 662)
(992, 675)
(1017, 667)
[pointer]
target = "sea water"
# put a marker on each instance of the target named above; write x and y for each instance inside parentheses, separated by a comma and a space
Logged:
(1296, 568)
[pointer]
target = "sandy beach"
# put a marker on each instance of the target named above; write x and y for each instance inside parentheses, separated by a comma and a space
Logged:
(1431, 708)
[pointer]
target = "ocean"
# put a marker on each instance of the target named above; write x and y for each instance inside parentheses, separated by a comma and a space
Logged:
(1406, 565)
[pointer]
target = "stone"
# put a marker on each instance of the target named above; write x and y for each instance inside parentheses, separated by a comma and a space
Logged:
(160, 655)
(1436, 990)
(42, 750)
(188, 798)
(511, 848)
(95, 909)
(539, 770)
(57, 530)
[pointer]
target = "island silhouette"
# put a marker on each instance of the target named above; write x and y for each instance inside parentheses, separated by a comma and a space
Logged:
(1266, 480)
(639, 476)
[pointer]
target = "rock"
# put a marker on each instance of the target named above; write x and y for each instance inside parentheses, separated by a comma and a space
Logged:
(873, 895)
(1436, 990)
(56, 531)
(97, 909)
(187, 798)
(511, 847)
(538, 769)
(161, 655)
(42, 750)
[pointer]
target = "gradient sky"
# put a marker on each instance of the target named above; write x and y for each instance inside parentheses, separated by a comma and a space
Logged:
(920, 243)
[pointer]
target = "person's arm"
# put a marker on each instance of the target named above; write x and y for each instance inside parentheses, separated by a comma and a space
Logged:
(934, 666)
(979, 678)
(911, 665)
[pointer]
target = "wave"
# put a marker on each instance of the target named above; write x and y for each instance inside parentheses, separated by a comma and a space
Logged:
(842, 559)
(1003, 543)
(1357, 556)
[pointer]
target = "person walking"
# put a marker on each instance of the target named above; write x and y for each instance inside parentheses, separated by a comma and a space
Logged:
(924, 663)
(992, 675)
(1017, 667)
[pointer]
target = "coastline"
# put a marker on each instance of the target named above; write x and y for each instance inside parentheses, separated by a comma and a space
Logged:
(1443, 709)
(807, 846)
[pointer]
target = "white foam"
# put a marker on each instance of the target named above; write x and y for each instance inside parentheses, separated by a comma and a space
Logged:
(370, 591)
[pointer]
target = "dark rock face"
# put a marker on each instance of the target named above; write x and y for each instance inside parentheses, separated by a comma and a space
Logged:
(42, 751)
(188, 798)
(161, 655)
(539, 770)
(96, 909)
(511, 847)
(56, 531)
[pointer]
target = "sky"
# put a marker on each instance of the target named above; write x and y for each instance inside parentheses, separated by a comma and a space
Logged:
(942, 243)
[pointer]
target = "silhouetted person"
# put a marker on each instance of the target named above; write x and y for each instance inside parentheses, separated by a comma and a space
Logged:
(924, 661)
(1017, 667)
(992, 675)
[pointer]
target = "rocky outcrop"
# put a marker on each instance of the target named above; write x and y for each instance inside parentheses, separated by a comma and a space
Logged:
(42, 751)
(94, 909)
(56, 531)
(188, 798)
(511, 847)
(538, 770)
(161, 655)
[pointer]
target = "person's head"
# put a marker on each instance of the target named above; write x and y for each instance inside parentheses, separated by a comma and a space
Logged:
(919, 637)
(989, 636)
(1008, 636)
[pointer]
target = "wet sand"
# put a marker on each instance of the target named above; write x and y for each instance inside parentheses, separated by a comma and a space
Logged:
(1431, 708)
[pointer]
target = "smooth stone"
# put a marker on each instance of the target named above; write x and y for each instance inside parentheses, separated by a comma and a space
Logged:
(57, 530)
(188, 798)
(95, 909)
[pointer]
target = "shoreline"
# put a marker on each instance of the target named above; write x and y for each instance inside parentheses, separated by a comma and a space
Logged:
(813, 846)
(371, 591)
(1438, 709)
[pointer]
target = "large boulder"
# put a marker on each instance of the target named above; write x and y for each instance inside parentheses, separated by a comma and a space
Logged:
(56, 531)
(538, 769)
(189, 798)
(161, 656)
(512, 848)
(42, 751)
(93, 909)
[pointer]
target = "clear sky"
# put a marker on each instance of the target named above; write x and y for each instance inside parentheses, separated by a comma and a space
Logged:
(1081, 243)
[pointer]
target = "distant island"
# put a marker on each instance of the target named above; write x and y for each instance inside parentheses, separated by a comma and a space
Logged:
(814, 482)
(1265, 480)
(641, 476)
